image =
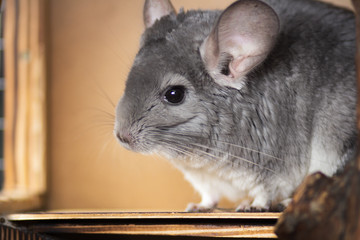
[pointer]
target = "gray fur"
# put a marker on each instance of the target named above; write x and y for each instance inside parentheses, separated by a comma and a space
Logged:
(304, 91)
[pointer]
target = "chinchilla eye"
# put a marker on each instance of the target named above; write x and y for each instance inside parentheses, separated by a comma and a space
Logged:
(175, 95)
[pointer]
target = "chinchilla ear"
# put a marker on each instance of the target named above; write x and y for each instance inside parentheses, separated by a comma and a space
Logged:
(156, 9)
(243, 36)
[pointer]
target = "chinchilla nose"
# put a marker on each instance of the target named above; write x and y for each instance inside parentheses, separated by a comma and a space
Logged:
(125, 137)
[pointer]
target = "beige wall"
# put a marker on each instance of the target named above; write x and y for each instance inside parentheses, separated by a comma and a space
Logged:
(92, 45)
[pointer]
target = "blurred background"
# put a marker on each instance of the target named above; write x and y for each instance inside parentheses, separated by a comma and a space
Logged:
(92, 44)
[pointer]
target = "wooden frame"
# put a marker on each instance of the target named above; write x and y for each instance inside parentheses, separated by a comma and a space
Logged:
(25, 106)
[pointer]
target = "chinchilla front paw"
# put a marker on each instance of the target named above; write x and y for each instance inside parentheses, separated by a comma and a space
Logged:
(198, 207)
(249, 208)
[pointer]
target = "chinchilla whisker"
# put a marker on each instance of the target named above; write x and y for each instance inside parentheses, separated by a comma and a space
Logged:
(251, 150)
(191, 154)
(244, 148)
(262, 153)
(104, 94)
(172, 142)
(178, 149)
(237, 157)
(108, 114)
(214, 157)
(170, 138)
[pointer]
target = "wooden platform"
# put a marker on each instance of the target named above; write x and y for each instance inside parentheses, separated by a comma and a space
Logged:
(139, 225)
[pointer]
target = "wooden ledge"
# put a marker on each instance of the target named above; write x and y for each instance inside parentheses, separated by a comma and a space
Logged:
(79, 225)
(41, 216)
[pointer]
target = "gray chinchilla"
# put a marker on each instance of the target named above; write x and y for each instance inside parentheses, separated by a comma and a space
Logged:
(246, 102)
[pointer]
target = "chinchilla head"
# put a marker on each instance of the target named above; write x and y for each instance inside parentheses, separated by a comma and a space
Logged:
(188, 72)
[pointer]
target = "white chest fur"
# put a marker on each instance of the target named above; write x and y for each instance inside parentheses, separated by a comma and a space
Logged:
(213, 185)
(324, 158)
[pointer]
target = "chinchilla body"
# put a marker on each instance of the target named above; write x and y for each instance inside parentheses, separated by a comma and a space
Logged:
(248, 113)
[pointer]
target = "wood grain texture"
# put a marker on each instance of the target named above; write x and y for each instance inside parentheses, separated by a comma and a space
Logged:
(239, 225)
(25, 106)
(68, 215)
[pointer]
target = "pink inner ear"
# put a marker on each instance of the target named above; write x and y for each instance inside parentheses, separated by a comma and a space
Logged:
(156, 9)
(242, 65)
(246, 31)
(236, 66)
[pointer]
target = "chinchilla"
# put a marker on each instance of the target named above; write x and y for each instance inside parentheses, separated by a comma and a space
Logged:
(246, 102)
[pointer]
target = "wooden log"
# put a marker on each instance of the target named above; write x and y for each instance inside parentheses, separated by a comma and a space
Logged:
(324, 208)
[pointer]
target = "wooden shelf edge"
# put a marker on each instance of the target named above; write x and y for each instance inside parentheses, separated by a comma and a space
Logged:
(41, 216)
(82, 224)
(198, 230)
